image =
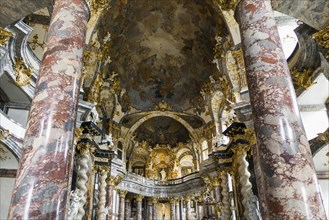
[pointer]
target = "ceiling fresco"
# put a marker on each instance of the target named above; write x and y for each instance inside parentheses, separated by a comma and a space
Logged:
(162, 50)
(162, 130)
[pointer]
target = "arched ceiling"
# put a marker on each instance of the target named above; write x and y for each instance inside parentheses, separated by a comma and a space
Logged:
(162, 50)
(162, 130)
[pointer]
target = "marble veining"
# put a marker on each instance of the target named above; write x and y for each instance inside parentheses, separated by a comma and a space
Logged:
(287, 170)
(42, 183)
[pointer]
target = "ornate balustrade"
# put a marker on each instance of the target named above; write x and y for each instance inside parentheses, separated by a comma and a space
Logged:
(192, 183)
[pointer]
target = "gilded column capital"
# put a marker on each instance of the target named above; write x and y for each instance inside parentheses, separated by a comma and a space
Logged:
(122, 193)
(215, 181)
(113, 181)
(173, 199)
(110, 180)
(188, 197)
(4, 36)
(139, 198)
(155, 200)
(101, 169)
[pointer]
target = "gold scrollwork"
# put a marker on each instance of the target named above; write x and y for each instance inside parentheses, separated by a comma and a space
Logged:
(302, 79)
(4, 36)
(35, 42)
(22, 72)
(322, 38)
(85, 148)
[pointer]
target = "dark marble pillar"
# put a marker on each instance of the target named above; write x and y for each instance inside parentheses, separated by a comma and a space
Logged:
(109, 197)
(177, 209)
(150, 209)
(43, 179)
(154, 211)
(172, 209)
(139, 199)
(188, 207)
(128, 209)
(217, 195)
(122, 195)
(200, 211)
(290, 183)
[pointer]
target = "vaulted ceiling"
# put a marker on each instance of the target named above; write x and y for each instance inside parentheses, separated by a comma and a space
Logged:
(163, 50)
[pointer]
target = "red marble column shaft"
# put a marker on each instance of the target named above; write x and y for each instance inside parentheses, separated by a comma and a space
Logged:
(287, 170)
(43, 179)
(109, 201)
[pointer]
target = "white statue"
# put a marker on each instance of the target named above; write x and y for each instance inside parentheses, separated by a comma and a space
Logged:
(74, 204)
(109, 139)
(163, 174)
(93, 115)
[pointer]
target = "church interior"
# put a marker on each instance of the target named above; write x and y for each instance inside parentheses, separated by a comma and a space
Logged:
(164, 109)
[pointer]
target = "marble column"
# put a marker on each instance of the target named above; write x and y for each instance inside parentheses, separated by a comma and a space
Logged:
(110, 181)
(128, 209)
(172, 208)
(139, 199)
(177, 209)
(282, 146)
(43, 179)
(150, 209)
(154, 211)
(225, 195)
(188, 207)
(200, 211)
(122, 195)
(216, 189)
(101, 212)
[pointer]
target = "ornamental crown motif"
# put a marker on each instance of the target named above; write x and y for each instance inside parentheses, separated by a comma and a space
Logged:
(163, 106)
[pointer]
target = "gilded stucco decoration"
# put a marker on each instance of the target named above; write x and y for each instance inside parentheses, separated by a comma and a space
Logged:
(302, 79)
(4, 36)
(236, 71)
(162, 163)
(22, 72)
(322, 38)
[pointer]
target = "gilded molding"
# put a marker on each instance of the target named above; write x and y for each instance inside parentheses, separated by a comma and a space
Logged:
(4, 36)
